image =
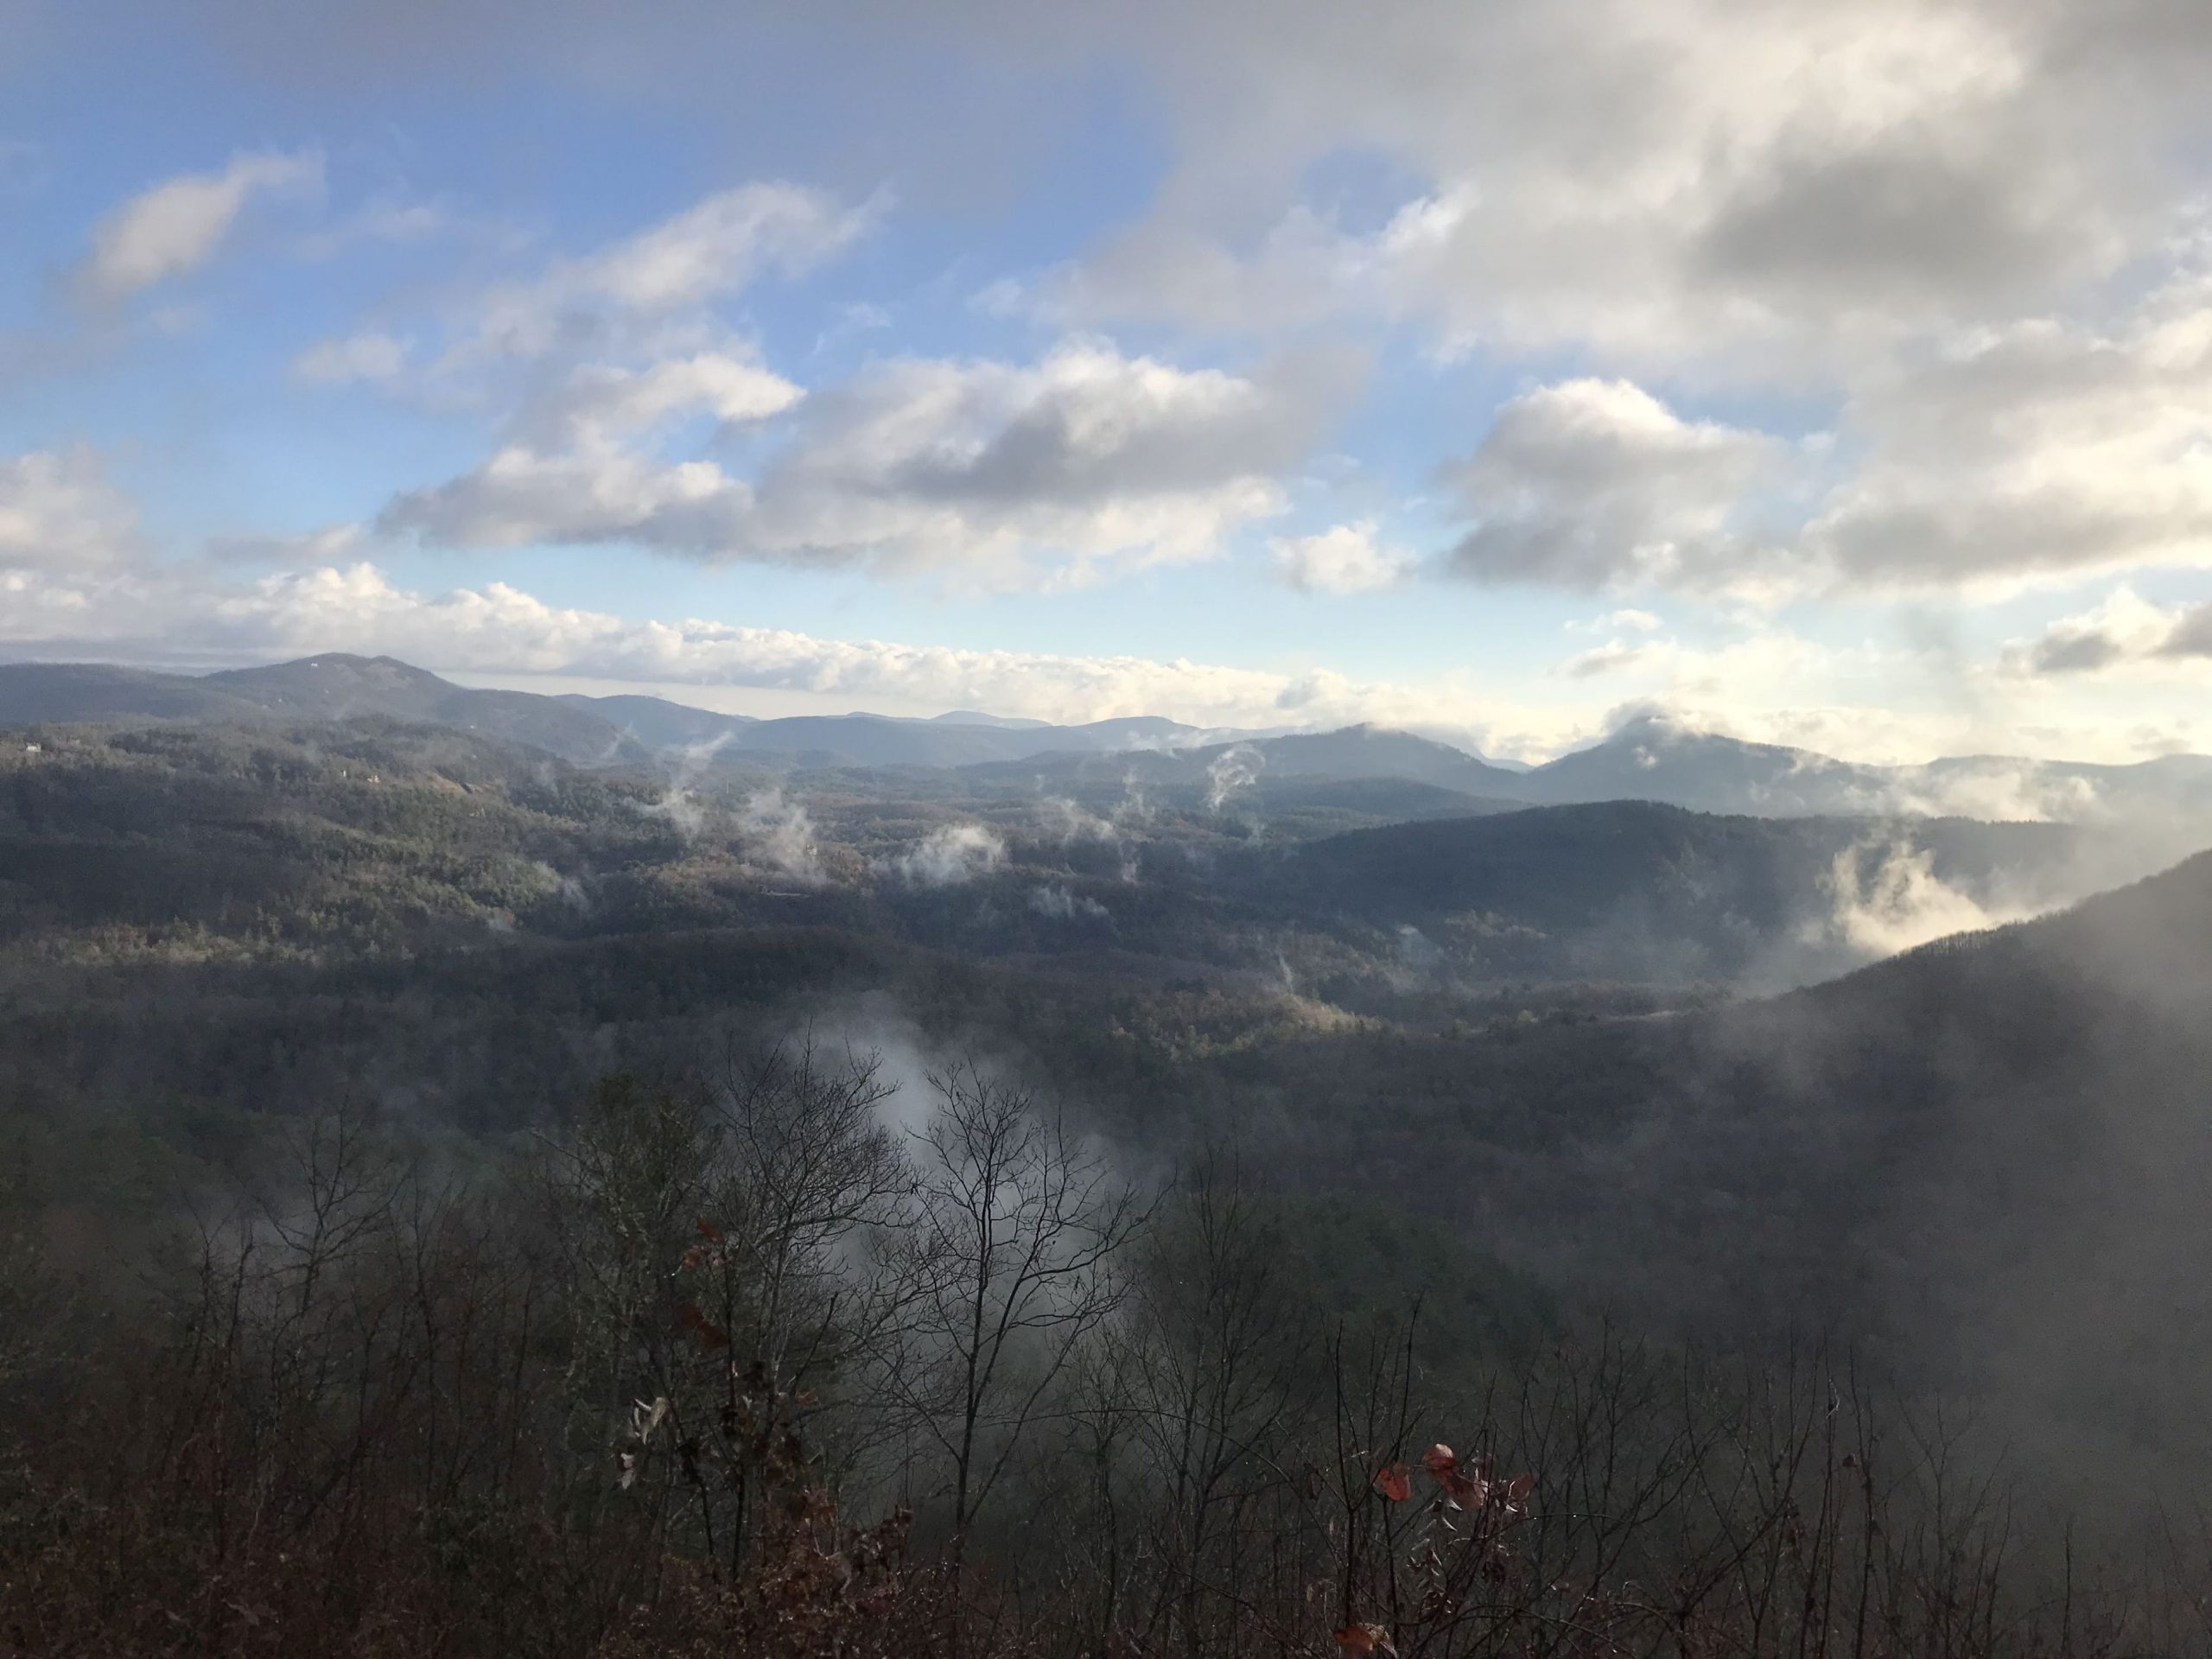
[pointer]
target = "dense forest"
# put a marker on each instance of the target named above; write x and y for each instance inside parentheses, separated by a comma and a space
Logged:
(462, 1195)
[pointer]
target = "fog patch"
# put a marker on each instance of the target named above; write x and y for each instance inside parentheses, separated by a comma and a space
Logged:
(1232, 770)
(2001, 791)
(684, 811)
(1068, 823)
(679, 803)
(958, 853)
(875, 1025)
(1416, 949)
(1135, 807)
(780, 837)
(1901, 903)
(1061, 904)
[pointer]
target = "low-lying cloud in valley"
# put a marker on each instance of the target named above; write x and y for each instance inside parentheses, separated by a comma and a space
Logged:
(778, 835)
(1887, 898)
(949, 856)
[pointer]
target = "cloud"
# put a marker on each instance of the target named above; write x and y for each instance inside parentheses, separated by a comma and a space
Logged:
(1344, 560)
(596, 494)
(710, 252)
(394, 219)
(1068, 823)
(1008, 475)
(1990, 460)
(59, 513)
(1592, 484)
(78, 581)
(2033, 451)
(1773, 687)
(189, 617)
(1900, 902)
(598, 365)
(778, 837)
(1087, 455)
(370, 356)
(950, 856)
(601, 401)
(1995, 789)
(1061, 904)
(1612, 658)
(1639, 621)
(1654, 180)
(176, 226)
(1234, 770)
(2125, 632)
(1778, 185)
(585, 470)
(332, 542)
(636, 314)
(995, 473)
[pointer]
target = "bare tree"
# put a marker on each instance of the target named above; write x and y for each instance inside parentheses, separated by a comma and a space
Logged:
(805, 1161)
(1215, 1345)
(708, 1229)
(1011, 1260)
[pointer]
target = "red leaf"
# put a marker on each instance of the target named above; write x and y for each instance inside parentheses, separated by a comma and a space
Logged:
(1394, 1481)
(1438, 1460)
(1365, 1638)
(1522, 1486)
(710, 1335)
(708, 1232)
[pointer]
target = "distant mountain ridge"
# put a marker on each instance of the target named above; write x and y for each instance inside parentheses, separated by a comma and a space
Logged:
(1650, 758)
(335, 686)
(1231, 767)
(1657, 760)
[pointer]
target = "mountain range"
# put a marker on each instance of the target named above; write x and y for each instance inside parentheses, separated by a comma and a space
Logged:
(231, 897)
(1648, 759)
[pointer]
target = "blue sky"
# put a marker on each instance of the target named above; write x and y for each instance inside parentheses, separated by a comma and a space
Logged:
(1845, 381)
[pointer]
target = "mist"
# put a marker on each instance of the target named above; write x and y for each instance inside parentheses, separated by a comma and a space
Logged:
(1060, 903)
(778, 837)
(1900, 903)
(1230, 773)
(950, 856)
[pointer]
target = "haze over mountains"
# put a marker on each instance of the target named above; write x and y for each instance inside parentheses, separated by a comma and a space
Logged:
(1477, 922)
(1650, 757)
(1528, 1063)
(1418, 1003)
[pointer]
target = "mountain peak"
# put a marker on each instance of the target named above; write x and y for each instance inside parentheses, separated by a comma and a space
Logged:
(343, 662)
(976, 717)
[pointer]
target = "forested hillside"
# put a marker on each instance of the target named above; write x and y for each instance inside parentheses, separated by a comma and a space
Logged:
(196, 840)
(464, 1170)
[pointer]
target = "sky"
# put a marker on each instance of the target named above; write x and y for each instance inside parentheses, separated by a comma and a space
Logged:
(1838, 376)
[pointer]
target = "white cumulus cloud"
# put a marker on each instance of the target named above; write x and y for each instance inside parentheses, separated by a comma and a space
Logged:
(1345, 559)
(59, 512)
(1008, 474)
(177, 226)
(1591, 484)
(710, 252)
